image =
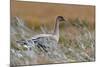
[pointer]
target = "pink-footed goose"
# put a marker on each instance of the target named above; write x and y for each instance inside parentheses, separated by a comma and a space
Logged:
(45, 42)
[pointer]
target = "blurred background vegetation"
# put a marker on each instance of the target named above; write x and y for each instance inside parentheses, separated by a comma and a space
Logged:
(77, 36)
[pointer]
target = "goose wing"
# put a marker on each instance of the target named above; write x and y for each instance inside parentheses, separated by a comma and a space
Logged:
(42, 42)
(46, 43)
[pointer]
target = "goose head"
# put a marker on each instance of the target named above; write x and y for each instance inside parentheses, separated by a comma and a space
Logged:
(60, 19)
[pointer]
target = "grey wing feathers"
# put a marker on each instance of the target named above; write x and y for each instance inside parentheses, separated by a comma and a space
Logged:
(42, 43)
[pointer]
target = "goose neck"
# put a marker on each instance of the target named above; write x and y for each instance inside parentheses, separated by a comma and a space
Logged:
(56, 29)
